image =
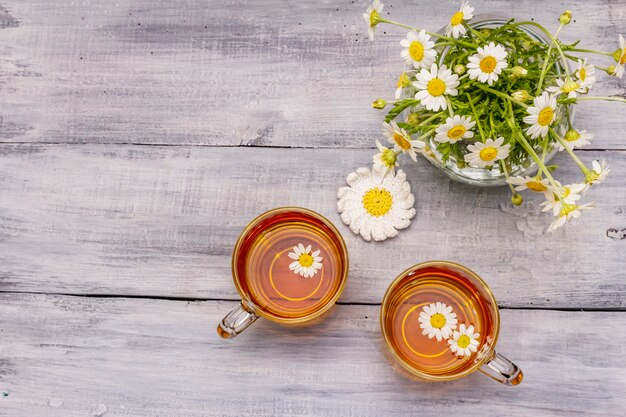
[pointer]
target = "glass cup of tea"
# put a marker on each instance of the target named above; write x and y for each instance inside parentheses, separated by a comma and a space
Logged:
(289, 265)
(440, 322)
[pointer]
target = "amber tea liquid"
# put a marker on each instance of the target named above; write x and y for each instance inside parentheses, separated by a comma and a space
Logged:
(261, 264)
(430, 284)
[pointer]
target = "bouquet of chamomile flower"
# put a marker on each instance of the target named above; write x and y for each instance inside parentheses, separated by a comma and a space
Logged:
(495, 100)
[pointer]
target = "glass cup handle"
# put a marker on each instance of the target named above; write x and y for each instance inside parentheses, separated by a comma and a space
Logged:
(236, 321)
(502, 370)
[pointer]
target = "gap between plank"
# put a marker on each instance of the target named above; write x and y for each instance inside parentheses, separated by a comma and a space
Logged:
(344, 303)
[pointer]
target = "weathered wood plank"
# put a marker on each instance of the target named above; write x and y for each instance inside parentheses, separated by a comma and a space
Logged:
(146, 220)
(233, 72)
(73, 356)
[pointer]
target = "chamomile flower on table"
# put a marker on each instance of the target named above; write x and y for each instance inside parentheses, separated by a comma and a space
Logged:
(306, 263)
(541, 115)
(454, 129)
(376, 205)
(401, 139)
(372, 17)
(564, 194)
(576, 139)
(585, 74)
(569, 86)
(487, 63)
(455, 27)
(567, 213)
(418, 50)
(434, 85)
(464, 341)
(536, 184)
(619, 68)
(600, 170)
(437, 320)
(386, 159)
(488, 153)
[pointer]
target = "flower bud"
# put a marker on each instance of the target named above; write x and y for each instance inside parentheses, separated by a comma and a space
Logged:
(517, 199)
(521, 95)
(379, 104)
(526, 45)
(485, 31)
(565, 18)
(459, 69)
(413, 118)
(518, 72)
(611, 70)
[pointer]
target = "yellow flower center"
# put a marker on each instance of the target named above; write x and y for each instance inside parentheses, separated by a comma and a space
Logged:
(403, 81)
(377, 201)
(567, 209)
(582, 74)
(456, 132)
(622, 59)
(305, 260)
(416, 51)
(565, 192)
(545, 116)
(437, 320)
(488, 154)
(572, 135)
(374, 18)
(536, 186)
(457, 18)
(488, 64)
(388, 157)
(569, 86)
(464, 341)
(436, 87)
(402, 141)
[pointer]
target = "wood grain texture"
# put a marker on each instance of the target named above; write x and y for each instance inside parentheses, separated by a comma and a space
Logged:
(272, 73)
(72, 356)
(162, 221)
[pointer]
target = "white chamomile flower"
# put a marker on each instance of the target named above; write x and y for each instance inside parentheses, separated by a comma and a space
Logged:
(375, 205)
(437, 320)
(536, 184)
(305, 263)
(386, 159)
(599, 172)
(568, 86)
(486, 154)
(619, 68)
(541, 115)
(433, 85)
(455, 27)
(568, 212)
(403, 82)
(464, 341)
(576, 139)
(418, 50)
(401, 139)
(487, 63)
(455, 129)
(585, 74)
(372, 17)
(563, 195)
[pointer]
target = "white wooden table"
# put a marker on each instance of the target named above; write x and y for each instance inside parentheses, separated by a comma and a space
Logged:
(138, 137)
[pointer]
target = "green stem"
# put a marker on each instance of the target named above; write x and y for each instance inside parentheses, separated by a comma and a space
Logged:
(605, 98)
(500, 94)
(580, 164)
(544, 68)
(506, 174)
(590, 51)
(480, 129)
(436, 35)
(534, 155)
(549, 35)
(430, 119)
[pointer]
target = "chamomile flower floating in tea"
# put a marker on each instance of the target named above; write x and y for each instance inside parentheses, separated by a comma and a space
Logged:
(455, 129)
(455, 27)
(575, 139)
(437, 320)
(464, 341)
(486, 154)
(306, 263)
(487, 64)
(376, 205)
(418, 50)
(485, 74)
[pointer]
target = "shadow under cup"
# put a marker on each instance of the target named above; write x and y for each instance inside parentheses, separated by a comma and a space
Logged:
(405, 320)
(262, 271)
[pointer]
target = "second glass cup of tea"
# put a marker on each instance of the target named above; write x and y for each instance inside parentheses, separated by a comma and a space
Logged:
(440, 322)
(290, 265)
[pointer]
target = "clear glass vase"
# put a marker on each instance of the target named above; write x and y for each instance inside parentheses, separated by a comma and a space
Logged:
(458, 170)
